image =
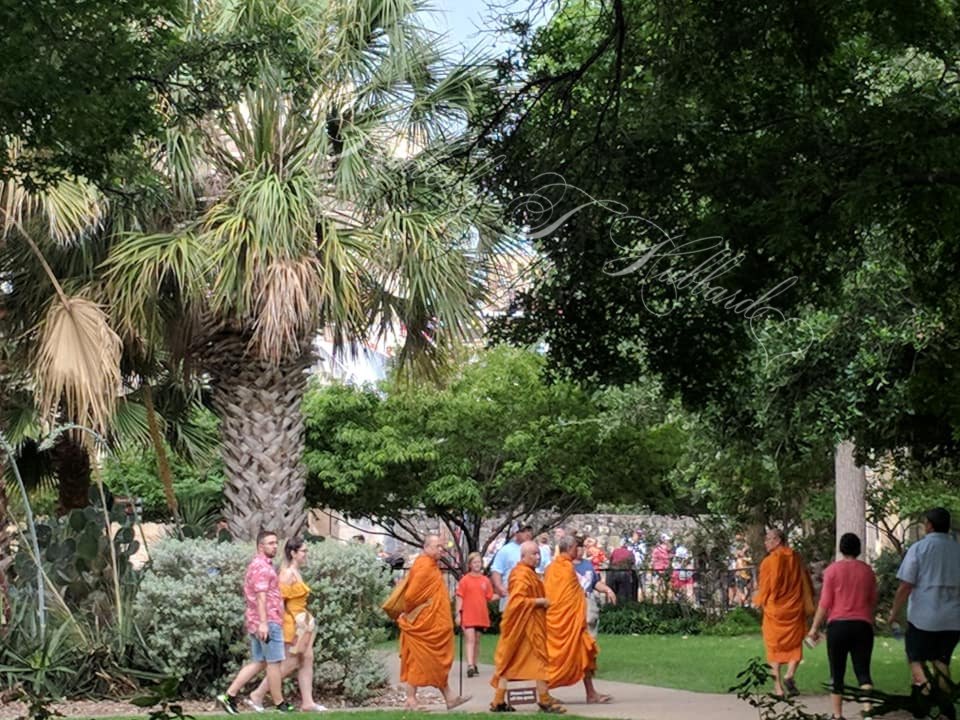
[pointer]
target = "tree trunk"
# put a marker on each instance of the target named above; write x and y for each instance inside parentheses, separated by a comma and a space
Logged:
(262, 431)
(851, 483)
(71, 465)
(163, 464)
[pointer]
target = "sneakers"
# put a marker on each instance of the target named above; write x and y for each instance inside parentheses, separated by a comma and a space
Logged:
(286, 707)
(472, 671)
(249, 702)
(229, 703)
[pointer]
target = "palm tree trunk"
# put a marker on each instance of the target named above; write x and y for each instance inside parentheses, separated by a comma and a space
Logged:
(262, 431)
(71, 465)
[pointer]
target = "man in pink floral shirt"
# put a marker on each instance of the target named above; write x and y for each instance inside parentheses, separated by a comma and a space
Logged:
(263, 618)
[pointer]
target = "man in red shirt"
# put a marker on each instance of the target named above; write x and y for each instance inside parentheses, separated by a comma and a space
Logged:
(264, 622)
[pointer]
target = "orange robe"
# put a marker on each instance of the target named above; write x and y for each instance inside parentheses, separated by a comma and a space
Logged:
(426, 642)
(571, 650)
(786, 597)
(521, 652)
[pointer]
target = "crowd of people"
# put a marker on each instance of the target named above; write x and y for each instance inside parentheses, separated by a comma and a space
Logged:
(549, 616)
(659, 572)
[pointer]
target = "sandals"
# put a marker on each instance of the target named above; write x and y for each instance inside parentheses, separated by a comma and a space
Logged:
(791, 686)
(472, 671)
(502, 707)
(553, 707)
(458, 701)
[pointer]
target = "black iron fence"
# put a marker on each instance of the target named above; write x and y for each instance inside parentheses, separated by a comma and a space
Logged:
(714, 591)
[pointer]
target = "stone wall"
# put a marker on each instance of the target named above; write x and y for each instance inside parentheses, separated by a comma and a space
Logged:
(607, 528)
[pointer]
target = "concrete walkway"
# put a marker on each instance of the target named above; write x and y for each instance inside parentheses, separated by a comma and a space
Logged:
(630, 701)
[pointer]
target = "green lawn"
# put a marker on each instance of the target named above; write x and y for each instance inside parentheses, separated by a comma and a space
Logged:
(711, 664)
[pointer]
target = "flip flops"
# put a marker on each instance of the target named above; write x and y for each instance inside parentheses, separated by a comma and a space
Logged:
(600, 699)
(458, 701)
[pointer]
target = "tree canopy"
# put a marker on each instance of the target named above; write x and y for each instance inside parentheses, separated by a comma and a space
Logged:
(802, 157)
(90, 83)
(498, 441)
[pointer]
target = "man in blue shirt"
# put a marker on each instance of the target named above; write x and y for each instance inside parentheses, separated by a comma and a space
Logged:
(930, 577)
(506, 559)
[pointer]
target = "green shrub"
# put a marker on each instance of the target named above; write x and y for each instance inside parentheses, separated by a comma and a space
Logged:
(739, 621)
(190, 605)
(651, 619)
(348, 583)
(495, 617)
(885, 567)
(133, 470)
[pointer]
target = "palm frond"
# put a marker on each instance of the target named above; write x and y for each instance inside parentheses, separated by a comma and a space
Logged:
(65, 212)
(78, 360)
(287, 308)
(264, 218)
(139, 267)
(129, 423)
(19, 419)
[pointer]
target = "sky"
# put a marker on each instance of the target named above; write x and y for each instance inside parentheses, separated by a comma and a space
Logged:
(464, 20)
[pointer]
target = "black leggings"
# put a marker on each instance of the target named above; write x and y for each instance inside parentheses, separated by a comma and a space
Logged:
(854, 638)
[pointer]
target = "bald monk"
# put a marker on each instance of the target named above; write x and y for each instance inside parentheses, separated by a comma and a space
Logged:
(521, 652)
(426, 629)
(786, 597)
(571, 649)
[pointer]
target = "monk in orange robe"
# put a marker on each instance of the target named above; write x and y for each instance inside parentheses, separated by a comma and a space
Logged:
(521, 652)
(426, 629)
(786, 597)
(571, 649)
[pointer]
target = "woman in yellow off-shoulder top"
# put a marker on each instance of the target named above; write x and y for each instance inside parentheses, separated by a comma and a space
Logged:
(299, 628)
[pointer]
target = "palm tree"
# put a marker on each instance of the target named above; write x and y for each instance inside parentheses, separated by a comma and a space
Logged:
(326, 198)
(51, 238)
(53, 242)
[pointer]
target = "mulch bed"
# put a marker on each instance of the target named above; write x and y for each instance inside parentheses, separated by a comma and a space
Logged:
(388, 697)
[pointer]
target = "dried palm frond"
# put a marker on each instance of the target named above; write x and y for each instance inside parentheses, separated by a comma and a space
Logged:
(78, 360)
(288, 306)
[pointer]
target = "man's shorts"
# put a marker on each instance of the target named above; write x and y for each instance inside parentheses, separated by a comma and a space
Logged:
(924, 645)
(593, 615)
(270, 651)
